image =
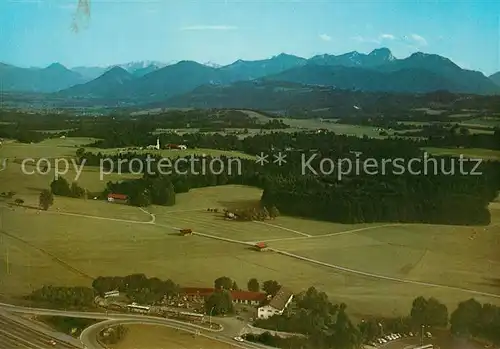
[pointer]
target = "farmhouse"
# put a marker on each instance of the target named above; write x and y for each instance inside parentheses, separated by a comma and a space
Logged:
(276, 305)
(239, 297)
(120, 198)
(177, 146)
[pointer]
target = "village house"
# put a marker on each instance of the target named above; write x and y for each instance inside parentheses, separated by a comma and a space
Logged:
(177, 146)
(239, 297)
(276, 305)
(119, 198)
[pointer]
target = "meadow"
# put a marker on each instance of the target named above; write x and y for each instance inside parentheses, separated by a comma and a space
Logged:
(374, 268)
(174, 153)
(473, 153)
(154, 337)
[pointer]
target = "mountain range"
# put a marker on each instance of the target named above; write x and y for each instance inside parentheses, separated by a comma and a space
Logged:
(149, 80)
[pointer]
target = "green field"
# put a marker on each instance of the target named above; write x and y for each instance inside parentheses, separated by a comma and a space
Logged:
(49, 148)
(78, 239)
(173, 153)
(154, 337)
(475, 153)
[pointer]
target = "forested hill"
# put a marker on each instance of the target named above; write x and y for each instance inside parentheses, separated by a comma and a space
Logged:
(312, 183)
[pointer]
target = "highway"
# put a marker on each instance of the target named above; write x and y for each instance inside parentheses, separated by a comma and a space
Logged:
(88, 337)
(15, 334)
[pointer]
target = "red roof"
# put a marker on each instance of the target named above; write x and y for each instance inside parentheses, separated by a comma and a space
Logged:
(118, 196)
(248, 296)
(261, 245)
(236, 295)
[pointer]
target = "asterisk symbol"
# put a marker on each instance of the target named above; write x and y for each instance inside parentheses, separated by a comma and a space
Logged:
(261, 159)
(280, 159)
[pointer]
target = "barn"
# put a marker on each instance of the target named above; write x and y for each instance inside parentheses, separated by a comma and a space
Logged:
(261, 246)
(239, 297)
(118, 198)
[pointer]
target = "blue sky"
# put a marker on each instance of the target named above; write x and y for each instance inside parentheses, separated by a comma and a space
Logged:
(37, 33)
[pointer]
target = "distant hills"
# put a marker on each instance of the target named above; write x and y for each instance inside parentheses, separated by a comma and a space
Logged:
(149, 81)
(50, 79)
(112, 79)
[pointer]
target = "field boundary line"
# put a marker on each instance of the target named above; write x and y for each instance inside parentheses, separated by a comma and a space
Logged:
(383, 277)
(351, 231)
(53, 257)
(283, 228)
(152, 216)
(97, 217)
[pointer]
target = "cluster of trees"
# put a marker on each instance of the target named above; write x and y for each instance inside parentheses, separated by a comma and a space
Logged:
(46, 199)
(64, 297)
(60, 187)
(113, 335)
(448, 197)
(226, 283)
(325, 324)
(257, 213)
(472, 318)
(69, 325)
(157, 190)
(137, 287)
(219, 303)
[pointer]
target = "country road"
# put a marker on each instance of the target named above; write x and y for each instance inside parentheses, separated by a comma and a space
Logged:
(152, 221)
(88, 336)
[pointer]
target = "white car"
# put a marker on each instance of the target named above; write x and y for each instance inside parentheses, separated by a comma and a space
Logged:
(238, 339)
(52, 342)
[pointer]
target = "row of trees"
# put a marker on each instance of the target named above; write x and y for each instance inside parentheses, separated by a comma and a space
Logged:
(64, 297)
(226, 283)
(60, 187)
(356, 197)
(137, 287)
(326, 325)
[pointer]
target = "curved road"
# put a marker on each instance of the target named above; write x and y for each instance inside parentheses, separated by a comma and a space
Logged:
(113, 318)
(89, 335)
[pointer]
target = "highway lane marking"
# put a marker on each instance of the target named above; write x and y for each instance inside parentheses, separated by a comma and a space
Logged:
(23, 329)
(28, 345)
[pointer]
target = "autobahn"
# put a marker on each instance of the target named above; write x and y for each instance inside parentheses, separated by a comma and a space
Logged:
(89, 336)
(15, 334)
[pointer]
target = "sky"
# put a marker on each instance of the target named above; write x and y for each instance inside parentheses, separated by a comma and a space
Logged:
(41, 32)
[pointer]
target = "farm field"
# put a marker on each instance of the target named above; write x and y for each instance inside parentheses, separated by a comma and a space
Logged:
(77, 240)
(155, 337)
(13, 179)
(54, 248)
(168, 153)
(49, 148)
(477, 153)
(314, 124)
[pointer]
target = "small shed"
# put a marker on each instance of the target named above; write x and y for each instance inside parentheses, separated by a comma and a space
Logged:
(261, 246)
(185, 232)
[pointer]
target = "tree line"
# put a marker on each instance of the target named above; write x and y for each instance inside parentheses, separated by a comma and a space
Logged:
(326, 325)
(445, 197)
